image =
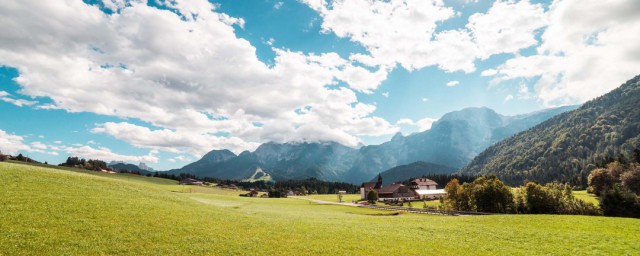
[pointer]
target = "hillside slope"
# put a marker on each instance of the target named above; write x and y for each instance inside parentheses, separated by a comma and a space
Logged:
(567, 147)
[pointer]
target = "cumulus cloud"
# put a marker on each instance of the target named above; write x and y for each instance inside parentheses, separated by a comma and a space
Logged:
(105, 154)
(171, 141)
(508, 98)
(179, 159)
(404, 31)
(453, 83)
(581, 56)
(5, 96)
(11, 144)
(392, 31)
(183, 70)
(507, 27)
(422, 124)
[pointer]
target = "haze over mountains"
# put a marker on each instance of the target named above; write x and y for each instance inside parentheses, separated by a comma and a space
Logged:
(451, 142)
(568, 146)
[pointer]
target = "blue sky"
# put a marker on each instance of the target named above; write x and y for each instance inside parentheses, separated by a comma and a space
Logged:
(165, 82)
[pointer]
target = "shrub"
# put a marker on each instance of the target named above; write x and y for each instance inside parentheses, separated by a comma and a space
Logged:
(485, 194)
(490, 194)
(372, 196)
(631, 180)
(537, 200)
(620, 201)
(600, 179)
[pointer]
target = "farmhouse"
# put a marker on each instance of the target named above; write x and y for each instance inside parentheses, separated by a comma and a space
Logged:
(396, 191)
(368, 186)
(421, 188)
(426, 189)
(190, 181)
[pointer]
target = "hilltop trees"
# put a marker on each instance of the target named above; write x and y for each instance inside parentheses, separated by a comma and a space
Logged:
(94, 165)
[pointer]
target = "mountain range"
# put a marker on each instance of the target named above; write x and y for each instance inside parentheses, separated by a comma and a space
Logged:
(568, 146)
(451, 142)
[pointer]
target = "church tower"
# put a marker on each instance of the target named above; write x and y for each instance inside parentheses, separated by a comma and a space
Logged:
(379, 183)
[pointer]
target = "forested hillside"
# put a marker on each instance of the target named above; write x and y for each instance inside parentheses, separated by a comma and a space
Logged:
(412, 170)
(568, 146)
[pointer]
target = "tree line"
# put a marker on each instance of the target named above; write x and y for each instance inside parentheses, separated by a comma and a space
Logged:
(490, 194)
(91, 164)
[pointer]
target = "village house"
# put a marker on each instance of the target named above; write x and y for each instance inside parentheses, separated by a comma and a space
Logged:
(426, 189)
(420, 189)
(396, 191)
(190, 181)
(368, 186)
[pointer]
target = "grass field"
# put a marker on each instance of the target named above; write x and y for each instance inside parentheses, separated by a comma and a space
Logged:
(334, 198)
(584, 196)
(46, 211)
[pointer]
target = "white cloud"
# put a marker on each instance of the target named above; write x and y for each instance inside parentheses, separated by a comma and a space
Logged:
(422, 124)
(589, 48)
(508, 98)
(453, 83)
(425, 99)
(38, 145)
(11, 144)
(403, 31)
(4, 96)
(507, 27)
(489, 72)
(392, 31)
(171, 141)
(385, 94)
(105, 154)
(184, 71)
(180, 159)
(278, 5)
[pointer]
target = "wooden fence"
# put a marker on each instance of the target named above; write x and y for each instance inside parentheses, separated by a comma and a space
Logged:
(424, 211)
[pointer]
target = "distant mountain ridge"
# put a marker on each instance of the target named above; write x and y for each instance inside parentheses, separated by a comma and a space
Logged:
(452, 141)
(568, 146)
(122, 166)
(413, 170)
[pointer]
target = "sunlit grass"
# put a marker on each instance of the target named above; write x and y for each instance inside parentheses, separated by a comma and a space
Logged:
(47, 211)
(584, 196)
(334, 197)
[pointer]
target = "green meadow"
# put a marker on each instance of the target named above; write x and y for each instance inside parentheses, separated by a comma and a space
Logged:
(47, 211)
